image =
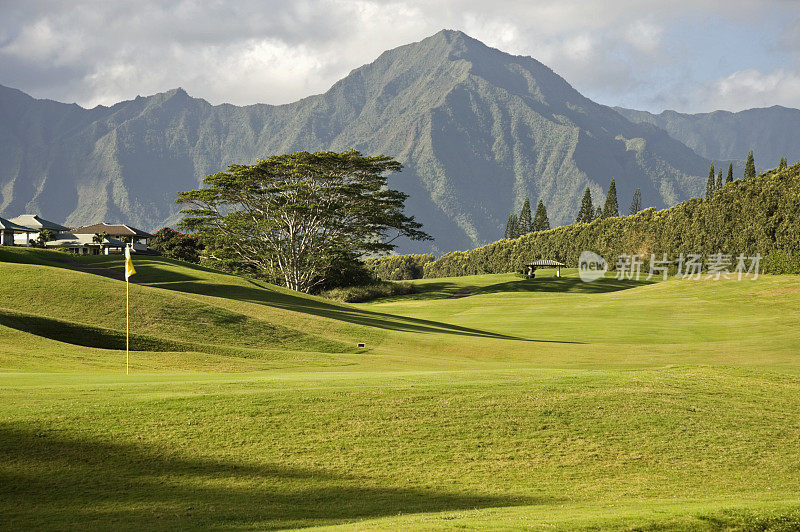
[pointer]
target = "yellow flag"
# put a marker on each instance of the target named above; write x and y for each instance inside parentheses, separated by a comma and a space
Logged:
(129, 270)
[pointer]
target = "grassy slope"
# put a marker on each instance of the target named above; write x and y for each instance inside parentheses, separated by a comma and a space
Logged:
(674, 405)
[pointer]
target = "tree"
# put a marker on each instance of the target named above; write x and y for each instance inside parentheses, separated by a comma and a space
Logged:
(750, 166)
(783, 164)
(729, 179)
(598, 213)
(718, 186)
(511, 227)
(99, 238)
(45, 236)
(182, 246)
(292, 217)
(540, 221)
(525, 220)
(611, 208)
(636, 202)
(710, 184)
(586, 214)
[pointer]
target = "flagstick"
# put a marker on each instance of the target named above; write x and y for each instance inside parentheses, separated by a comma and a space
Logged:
(127, 327)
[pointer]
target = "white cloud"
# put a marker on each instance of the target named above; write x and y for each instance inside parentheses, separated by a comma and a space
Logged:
(752, 88)
(275, 51)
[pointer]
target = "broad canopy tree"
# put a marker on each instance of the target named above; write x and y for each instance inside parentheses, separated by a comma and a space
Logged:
(292, 217)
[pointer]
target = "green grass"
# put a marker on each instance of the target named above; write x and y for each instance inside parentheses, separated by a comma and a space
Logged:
(545, 404)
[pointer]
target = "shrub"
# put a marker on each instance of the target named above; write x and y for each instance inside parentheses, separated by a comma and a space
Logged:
(360, 294)
(399, 267)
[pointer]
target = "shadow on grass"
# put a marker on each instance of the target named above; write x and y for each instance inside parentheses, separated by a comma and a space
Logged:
(264, 295)
(85, 335)
(64, 482)
(572, 285)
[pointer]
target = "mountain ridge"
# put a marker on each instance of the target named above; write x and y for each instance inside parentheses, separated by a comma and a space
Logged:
(477, 130)
(771, 132)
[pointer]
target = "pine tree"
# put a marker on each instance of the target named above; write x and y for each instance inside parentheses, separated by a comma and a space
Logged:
(750, 166)
(525, 220)
(718, 186)
(729, 179)
(586, 214)
(636, 203)
(783, 164)
(611, 208)
(511, 227)
(599, 213)
(540, 221)
(710, 184)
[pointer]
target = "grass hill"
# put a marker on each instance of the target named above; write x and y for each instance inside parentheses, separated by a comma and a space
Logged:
(480, 401)
(477, 129)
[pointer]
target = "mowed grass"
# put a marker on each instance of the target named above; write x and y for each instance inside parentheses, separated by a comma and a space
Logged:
(545, 404)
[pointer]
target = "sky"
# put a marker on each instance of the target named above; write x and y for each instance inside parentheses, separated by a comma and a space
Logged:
(690, 56)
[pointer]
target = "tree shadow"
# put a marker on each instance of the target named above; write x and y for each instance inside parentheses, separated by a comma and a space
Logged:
(564, 284)
(57, 481)
(86, 335)
(264, 295)
(573, 285)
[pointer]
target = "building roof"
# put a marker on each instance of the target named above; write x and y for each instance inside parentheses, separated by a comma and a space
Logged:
(112, 230)
(34, 221)
(66, 240)
(8, 225)
(544, 263)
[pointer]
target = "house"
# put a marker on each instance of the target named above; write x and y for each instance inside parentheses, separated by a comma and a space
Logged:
(37, 223)
(8, 229)
(87, 244)
(122, 232)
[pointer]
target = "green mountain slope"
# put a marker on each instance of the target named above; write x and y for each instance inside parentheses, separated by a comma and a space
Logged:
(478, 131)
(770, 132)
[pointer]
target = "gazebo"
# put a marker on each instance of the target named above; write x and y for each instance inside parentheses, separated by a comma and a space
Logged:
(544, 263)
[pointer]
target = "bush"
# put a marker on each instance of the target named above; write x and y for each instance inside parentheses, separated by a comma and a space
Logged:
(748, 216)
(175, 245)
(360, 294)
(399, 267)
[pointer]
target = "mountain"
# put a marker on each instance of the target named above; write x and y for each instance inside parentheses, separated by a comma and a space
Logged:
(771, 132)
(477, 129)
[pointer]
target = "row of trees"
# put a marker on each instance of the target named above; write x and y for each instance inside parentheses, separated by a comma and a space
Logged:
(749, 216)
(524, 223)
(588, 213)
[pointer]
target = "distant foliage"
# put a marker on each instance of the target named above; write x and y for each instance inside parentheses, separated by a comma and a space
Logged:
(782, 165)
(541, 222)
(611, 208)
(525, 220)
(636, 202)
(750, 166)
(511, 227)
(586, 214)
(748, 216)
(729, 179)
(175, 245)
(398, 267)
(711, 184)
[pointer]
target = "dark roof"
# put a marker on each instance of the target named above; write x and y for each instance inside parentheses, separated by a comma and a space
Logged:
(111, 230)
(8, 225)
(545, 262)
(34, 221)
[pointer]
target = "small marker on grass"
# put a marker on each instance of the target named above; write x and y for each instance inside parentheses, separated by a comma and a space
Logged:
(361, 345)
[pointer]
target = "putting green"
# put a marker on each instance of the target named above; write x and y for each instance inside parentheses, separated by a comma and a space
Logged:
(486, 401)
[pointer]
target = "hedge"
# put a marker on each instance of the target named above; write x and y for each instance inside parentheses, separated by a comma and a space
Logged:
(758, 215)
